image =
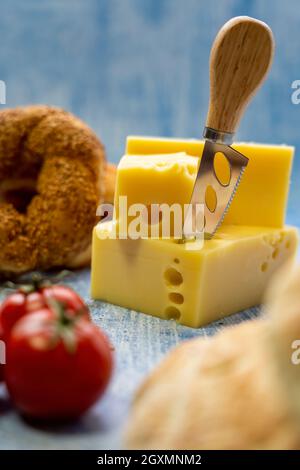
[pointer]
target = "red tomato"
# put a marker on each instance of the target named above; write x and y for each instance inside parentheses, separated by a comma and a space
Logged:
(21, 302)
(65, 295)
(11, 310)
(56, 367)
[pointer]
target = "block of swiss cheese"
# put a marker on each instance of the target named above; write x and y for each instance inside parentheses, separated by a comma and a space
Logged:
(164, 278)
(261, 198)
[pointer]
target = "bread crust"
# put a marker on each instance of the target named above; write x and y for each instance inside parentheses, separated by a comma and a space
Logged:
(236, 390)
(65, 163)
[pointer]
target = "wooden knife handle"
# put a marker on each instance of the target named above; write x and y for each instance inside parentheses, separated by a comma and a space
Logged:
(240, 58)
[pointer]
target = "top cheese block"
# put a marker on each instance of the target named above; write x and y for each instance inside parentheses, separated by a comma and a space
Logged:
(261, 198)
(166, 179)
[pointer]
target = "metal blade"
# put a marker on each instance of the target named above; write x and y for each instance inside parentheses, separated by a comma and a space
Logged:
(224, 193)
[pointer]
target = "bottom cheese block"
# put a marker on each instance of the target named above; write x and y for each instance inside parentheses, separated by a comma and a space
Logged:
(194, 287)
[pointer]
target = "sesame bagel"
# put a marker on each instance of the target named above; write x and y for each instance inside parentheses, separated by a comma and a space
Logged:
(52, 177)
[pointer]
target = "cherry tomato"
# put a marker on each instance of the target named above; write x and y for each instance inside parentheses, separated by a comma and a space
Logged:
(11, 310)
(22, 302)
(69, 298)
(57, 366)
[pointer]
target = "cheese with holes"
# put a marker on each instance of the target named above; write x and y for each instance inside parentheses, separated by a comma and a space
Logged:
(157, 179)
(261, 198)
(194, 287)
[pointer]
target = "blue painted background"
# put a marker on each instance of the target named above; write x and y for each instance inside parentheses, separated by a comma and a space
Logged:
(140, 66)
(136, 67)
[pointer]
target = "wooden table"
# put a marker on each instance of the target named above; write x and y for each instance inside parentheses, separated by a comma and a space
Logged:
(140, 341)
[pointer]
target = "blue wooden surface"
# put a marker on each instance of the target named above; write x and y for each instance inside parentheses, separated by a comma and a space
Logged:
(136, 67)
(140, 342)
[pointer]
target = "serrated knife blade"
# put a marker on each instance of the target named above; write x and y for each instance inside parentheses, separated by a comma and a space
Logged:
(207, 177)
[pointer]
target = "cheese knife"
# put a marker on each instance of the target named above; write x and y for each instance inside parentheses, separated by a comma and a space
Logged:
(240, 59)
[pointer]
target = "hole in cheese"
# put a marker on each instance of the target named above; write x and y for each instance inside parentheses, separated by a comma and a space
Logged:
(222, 169)
(275, 253)
(176, 260)
(173, 277)
(176, 298)
(288, 244)
(210, 198)
(264, 267)
(172, 313)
